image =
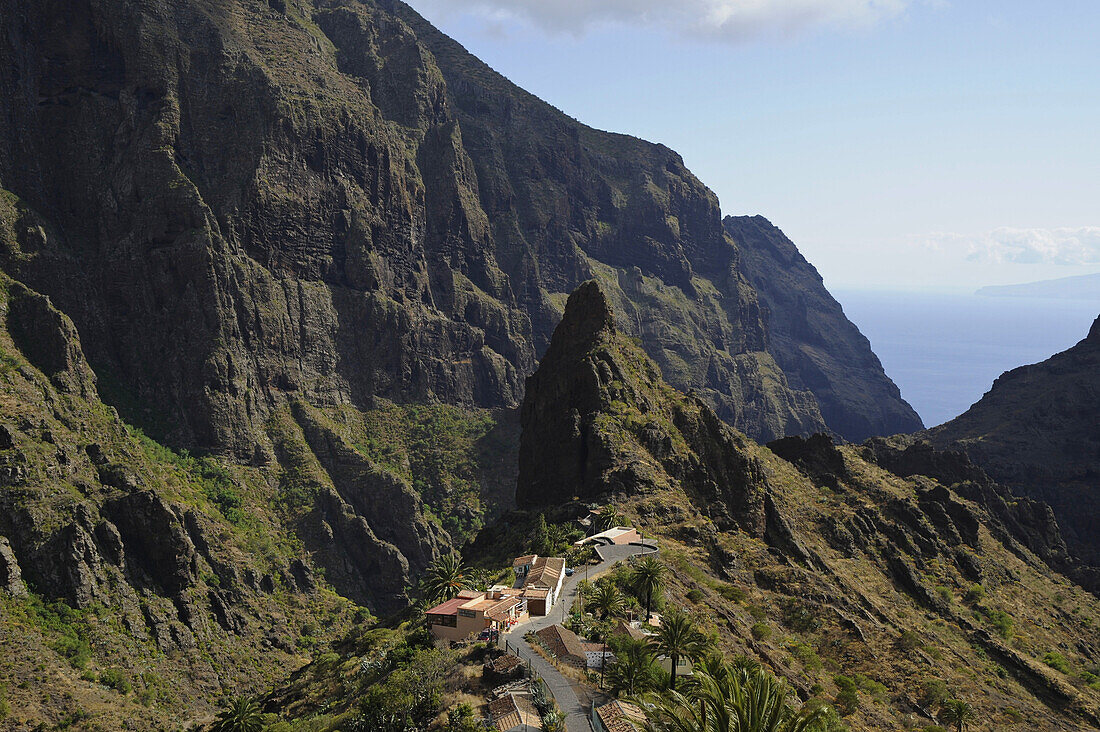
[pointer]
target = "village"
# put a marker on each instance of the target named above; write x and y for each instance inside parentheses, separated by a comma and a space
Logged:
(556, 630)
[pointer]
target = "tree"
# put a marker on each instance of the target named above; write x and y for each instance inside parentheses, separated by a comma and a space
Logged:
(635, 669)
(958, 713)
(607, 599)
(445, 577)
(678, 638)
(540, 537)
(647, 579)
(722, 698)
(606, 518)
(241, 715)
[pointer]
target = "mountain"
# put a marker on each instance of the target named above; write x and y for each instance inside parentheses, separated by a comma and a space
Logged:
(817, 347)
(890, 562)
(1036, 431)
(1082, 287)
(242, 204)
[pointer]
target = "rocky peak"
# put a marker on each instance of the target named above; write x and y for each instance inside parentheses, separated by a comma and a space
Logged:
(588, 316)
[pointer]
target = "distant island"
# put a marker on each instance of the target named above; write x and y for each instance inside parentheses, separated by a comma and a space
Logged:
(1082, 287)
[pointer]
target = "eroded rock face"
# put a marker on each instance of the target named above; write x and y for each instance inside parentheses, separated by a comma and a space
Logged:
(240, 206)
(815, 344)
(1036, 431)
(598, 419)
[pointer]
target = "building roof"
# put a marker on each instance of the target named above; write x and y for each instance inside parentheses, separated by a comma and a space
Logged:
(500, 610)
(529, 559)
(505, 663)
(627, 629)
(532, 593)
(511, 711)
(617, 715)
(450, 607)
(545, 572)
(562, 642)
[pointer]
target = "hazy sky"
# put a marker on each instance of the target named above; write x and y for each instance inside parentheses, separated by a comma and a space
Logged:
(902, 144)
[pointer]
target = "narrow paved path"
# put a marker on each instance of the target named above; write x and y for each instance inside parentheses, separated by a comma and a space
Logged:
(576, 714)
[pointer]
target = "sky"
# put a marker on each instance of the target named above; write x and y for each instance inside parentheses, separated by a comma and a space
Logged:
(901, 144)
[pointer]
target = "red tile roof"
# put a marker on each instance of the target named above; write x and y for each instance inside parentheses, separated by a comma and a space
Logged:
(616, 716)
(448, 608)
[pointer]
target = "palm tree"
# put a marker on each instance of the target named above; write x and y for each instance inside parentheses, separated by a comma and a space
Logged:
(445, 577)
(241, 715)
(725, 699)
(635, 669)
(647, 578)
(607, 599)
(676, 638)
(958, 713)
(607, 518)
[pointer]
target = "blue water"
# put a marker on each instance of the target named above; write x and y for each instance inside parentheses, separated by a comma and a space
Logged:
(944, 351)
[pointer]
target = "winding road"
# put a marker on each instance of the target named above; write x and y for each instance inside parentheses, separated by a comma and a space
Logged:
(576, 715)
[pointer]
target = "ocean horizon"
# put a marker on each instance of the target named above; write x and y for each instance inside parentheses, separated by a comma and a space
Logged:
(944, 350)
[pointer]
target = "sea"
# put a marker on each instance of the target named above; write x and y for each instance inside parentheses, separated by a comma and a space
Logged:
(944, 350)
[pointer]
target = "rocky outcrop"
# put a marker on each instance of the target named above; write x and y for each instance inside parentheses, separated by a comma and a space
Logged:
(598, 419)
(330, 200)
(1036, 432)
(1018, 522)
(817, 347)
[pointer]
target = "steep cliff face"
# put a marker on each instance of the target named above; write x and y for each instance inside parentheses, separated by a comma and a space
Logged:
(817, 347)
(241, 204)
(598, 419)
(1036, 431)
(895, 564)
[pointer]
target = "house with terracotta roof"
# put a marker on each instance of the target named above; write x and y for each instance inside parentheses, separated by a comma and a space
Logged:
(617, 717)
(514, 712)
(564, 645)
(472, 612)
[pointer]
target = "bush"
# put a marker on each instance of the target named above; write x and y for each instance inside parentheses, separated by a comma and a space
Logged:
(761, 631)
(999, 619)
(847, 695)
(798, 617)
(115, 679)
(757, 613)
(731, 593)
(1014, 715)
(807, 655)
(695, 595)
(870, 686)
(1057, 661)
(935, 692)
(976, 593)
(909, 640)
(5, 709)
(933, 728)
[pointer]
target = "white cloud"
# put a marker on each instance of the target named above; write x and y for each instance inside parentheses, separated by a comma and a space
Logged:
(730, 20)
(1006, 245)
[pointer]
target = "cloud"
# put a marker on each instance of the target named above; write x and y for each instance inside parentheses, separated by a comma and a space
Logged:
(728, 20)
(1066, 245)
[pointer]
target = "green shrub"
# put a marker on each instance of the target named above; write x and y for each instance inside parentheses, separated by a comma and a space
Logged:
(761, 631)
(1057, 661)
(732, 593)
(807, 655)
(115, 679)
(976, 593)
(847, 695)
(1014, 715)
(757, 613)
(870, 687)
(909, 640)
(5, 708)
(695, 595)
(933, 728)
(935, 692)
(999, 619)
(798, 617)
(945, 594)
